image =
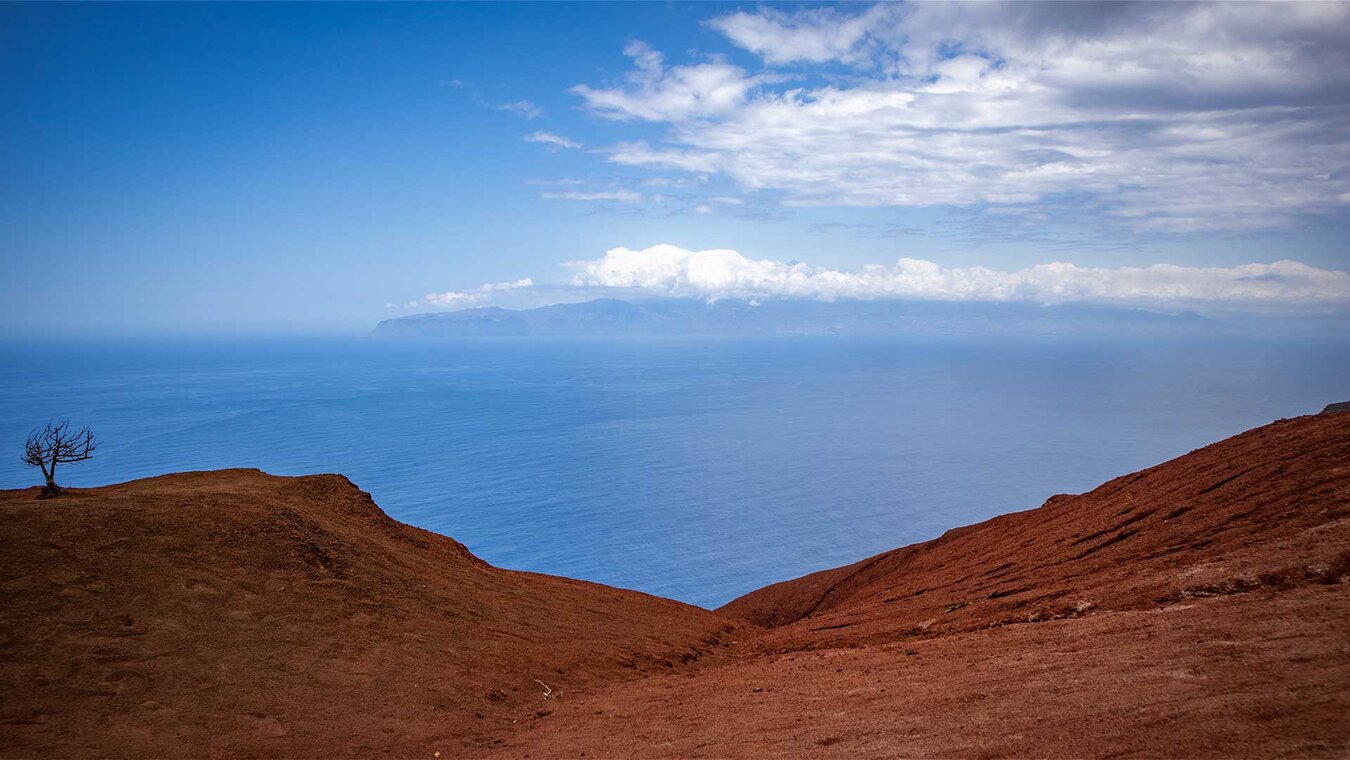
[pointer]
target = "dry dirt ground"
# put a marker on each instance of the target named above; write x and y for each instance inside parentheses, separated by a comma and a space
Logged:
(1267, 508)
(234, 613)
(1197, 608)
(1263, 674)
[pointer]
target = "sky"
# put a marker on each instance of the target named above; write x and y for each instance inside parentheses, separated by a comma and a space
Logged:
(319, 167)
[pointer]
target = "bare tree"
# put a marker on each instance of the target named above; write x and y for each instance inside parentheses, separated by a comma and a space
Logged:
(57, 444)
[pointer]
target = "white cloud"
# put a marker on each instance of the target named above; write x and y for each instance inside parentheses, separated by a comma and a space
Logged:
(708, 204)
(641, 154)
(655, 93)
(557, 182)
(523, 108)
(463, 298)
(623, 196)
(553, 141)
(1175, 117)
(669, 270)
(811, 35)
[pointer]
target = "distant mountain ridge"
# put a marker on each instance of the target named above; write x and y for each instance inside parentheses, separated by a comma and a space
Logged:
(692, 317)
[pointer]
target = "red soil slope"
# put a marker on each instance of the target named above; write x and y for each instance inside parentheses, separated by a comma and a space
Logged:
(1196, 609)
(1254, 675)
(236, 613)
(1267, 508)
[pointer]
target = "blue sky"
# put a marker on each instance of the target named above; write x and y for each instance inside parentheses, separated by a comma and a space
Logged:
(320, 167)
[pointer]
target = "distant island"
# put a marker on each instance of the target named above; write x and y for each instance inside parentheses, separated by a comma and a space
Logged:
(693, 317)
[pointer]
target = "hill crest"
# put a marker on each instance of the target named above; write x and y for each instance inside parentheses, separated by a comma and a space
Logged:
(1268, 507)
(238, 613)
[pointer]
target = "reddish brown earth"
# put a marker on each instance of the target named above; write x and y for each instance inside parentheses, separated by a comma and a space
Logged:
(1198, 608)
(1256, 675)
(1269, 508)
(234, 613)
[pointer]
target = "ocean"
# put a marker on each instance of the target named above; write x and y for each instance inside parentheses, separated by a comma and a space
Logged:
(691, 468)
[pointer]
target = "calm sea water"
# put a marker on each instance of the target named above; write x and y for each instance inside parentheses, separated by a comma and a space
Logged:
(688, 468)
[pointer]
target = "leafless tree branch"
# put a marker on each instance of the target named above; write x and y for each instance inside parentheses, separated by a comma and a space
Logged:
(57, 444)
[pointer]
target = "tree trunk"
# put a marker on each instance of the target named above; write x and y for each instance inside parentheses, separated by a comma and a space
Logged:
(51, 489)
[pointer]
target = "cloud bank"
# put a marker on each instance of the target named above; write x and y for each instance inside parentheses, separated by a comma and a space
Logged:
(1172, 117)
(469, 297)
(668, 270)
